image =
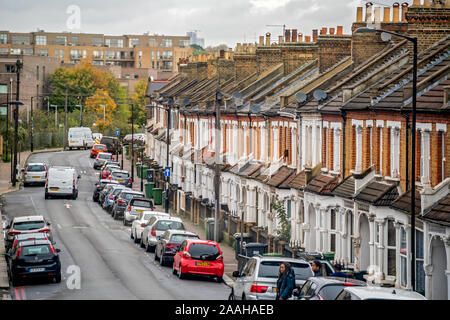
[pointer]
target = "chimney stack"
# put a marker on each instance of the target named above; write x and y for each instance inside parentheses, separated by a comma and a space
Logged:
(340, 30)
(300, 37)
(287, 35)
(261, 41)
(323, 31)
(222, 54)
(332, 31)
(238, 47)
(307, 38)
(387, 14)
(427, 3)
(404, 11)
(315, 33)
(280, 39)
(359, 14)
(268, 39)
(396, 10)
(294, 35)
(369, 12)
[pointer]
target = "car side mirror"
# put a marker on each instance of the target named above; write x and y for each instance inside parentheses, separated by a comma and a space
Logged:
(58, 250)
(79, 176)
(49, 224)
(236, 274)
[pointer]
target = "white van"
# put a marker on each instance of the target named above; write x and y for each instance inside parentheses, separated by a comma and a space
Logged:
(80, 137)
(62, 181)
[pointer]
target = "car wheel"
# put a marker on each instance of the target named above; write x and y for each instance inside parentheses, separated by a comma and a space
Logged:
(124, 222)
(181, 275)
(219, 279)
(231, 296)
(131, 233)
(46, 196)
(174, 271)
(15, 282)
(115, 217)
(243, 297)
(147, 247)
(58, 278)
(136, 240)
(162, 260)
(142, 243)
(156, 256)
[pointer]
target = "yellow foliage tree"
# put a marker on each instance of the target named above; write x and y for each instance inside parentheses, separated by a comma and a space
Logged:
(103, 107)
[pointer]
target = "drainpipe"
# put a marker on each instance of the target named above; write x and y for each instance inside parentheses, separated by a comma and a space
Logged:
(407, 149)
(344, 122)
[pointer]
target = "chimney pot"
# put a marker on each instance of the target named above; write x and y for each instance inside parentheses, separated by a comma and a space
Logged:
(387, 14)
(261, 41)
(294, 35)
(340, 30)
(416, 3)
(307, 38)
(280, 39)
(323, 31)
(359, 14)
(287, 35)
(300, 37)
(396, 10)
(238, 47)
(404, 11)
(222, 54)
(268, 39)
(315, 33)
(332, 31)
(369, 12)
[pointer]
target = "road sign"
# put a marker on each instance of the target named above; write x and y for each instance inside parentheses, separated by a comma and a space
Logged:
(117, 132)
(167, 172)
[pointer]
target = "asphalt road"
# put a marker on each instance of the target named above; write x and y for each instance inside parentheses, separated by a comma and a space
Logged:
(111, 265)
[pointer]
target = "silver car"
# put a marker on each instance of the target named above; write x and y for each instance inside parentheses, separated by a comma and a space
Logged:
(35, 173)
(378, 293)
(258, 278)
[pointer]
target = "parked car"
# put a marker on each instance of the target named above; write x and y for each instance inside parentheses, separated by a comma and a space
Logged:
(101, 158)
(35, 173)
(135, 207)
(27, 225)
(62, 181)
(121, 202)
(26, 237)
(111, 195)
(168, 244)
(99, 186)
(138, 225)
(202, 257)
(80, 137)
(378, 293)
(327, 267)
(155, 227)
(110, 162)
(112, 144)
(258, 278)
(326, 288)
(34, 259)
(106, 188)
(97, 148)
(138, 138)
(122, 176)
(107, 169)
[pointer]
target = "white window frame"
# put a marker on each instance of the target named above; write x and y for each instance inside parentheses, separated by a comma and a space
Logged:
(41, 40)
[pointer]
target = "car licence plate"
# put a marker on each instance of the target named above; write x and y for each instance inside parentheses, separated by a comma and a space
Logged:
(139, 210)
(37, 270)
(54, 189)
(120, 180)
(36, 177)
(202, 264)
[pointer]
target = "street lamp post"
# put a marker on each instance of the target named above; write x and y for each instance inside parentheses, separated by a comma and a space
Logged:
(56, 114)
(413, 145)
(16, 105)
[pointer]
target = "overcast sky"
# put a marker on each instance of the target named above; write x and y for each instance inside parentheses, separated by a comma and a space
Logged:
(219, 21)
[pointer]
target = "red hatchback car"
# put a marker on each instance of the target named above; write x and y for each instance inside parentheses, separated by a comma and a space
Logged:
(202, 257)
(97, 148)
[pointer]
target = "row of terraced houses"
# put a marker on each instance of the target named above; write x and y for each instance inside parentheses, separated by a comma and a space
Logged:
(323, 124)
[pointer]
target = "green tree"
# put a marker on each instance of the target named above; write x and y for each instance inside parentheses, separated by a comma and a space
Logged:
(284, 231)
(138, 98)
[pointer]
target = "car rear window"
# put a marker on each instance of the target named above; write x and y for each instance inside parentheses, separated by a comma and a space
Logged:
(164, 225)
(181, 237)
(202, 251)
(35, 168)
(120, 174)
(330, 292)
(270, 269)
(100, 147)
(128, 196)
(117, 191)
(141, 203)
(28, 225)
(37, 249)
(104, 156)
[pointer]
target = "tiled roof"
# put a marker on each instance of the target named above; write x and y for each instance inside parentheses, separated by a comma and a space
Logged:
(251, 168)
(378, 193)
(439, 213)
(346, 188)
(299, 181)
(322, 184)
(280, 176)
(403, 203)
(285, 184)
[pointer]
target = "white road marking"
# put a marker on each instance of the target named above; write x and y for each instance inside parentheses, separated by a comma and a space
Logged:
(59, 226)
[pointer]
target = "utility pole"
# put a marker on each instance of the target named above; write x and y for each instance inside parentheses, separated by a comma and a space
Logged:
(217, 166)
(65, 118)
(167, 153)
(31, 131)
(19, 65)
(132, 144)
(7, 125)
(142, 169)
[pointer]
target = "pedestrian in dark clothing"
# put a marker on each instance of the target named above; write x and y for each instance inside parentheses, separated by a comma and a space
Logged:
(285, 282)
(338, 272)
(316, 267)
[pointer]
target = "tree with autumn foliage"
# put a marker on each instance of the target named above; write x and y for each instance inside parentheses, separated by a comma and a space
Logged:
(103, 107)
(138, 98)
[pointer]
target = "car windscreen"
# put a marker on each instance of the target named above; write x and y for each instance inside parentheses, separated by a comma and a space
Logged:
(181, 237)
(141, 203)
(128, 196)
(35, 168)
(104, 156)
(330, 292)
(117, 191)
(120, 174)
(100, 147)
(28, 225)
(110, 167)
(270, 269)
(203, 251)
(34, 250)
(164, 225)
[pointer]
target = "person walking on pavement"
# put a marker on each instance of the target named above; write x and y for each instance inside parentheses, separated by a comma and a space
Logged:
(316, 267)
(285, 282)
(338, 271)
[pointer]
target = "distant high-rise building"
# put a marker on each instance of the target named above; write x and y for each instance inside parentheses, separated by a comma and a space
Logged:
(194, 39)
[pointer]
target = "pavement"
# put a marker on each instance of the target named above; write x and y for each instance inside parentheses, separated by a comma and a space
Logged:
(228, 252)
(99, 260)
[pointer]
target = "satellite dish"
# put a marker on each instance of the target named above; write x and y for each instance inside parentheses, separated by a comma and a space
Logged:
(319, 95)
(255, 108)
(385, 36)
(300, 97)
(237, 95)
(186, 102)
(238, 98)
